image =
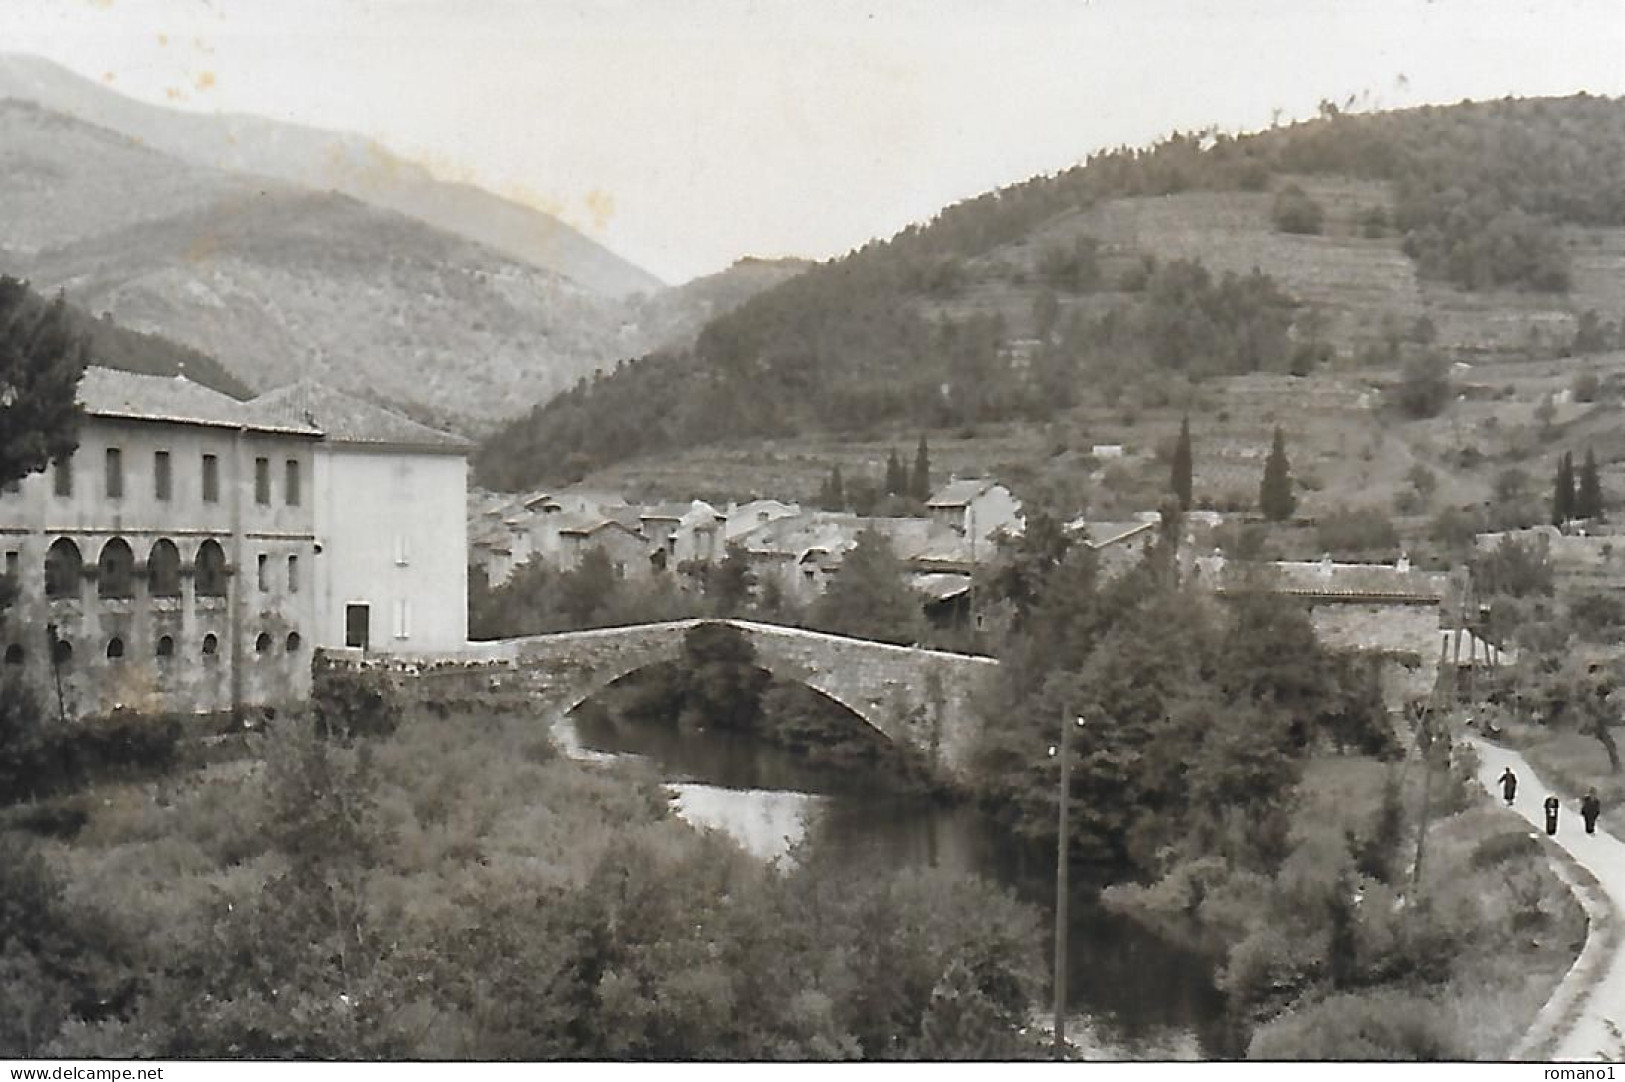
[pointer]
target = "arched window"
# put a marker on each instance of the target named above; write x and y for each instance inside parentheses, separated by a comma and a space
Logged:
(62, 653)
(294, 642)
(62, 568)
(115, 648)
(211, 570)
(263, 643)
(211, 645)
(116, 570)
(14, 654)
(166, 646)
(164, 569)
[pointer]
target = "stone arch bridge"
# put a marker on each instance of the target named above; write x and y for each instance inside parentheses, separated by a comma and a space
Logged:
(919, 698)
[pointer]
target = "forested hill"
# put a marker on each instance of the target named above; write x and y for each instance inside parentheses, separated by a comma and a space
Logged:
(1489, 223)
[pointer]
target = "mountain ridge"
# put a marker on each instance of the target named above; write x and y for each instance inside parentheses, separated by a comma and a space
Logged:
(315, 158)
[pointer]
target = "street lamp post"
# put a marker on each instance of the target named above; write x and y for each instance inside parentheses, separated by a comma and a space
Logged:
(1061, 893)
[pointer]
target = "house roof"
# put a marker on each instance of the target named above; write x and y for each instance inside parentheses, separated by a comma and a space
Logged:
(1334, 581)
(107, 392)
(343, 418)
(588, 523)
(669, 509)
(961, 492)
(941, 586)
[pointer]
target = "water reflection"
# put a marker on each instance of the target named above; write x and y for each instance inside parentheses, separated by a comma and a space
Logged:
(1134, 995)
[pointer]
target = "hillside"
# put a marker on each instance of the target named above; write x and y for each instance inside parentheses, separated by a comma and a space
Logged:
(1477, 232)
(281, 283)
(323, 161)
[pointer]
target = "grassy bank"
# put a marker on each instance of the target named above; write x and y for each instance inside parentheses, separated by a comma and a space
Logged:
(1570, 762)
(1343, 953)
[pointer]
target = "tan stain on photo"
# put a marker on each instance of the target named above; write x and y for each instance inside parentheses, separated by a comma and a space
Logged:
(205, 81)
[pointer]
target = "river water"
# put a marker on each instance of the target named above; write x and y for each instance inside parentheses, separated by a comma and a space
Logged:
(1131, 994)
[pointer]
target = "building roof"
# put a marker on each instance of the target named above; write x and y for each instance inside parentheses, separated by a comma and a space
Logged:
(941, 586)
(960, 493)
(343, 418)
(586, 523)
(1334, 581)
(108, 392)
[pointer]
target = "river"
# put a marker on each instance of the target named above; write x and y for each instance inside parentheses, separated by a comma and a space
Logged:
(1131, 993)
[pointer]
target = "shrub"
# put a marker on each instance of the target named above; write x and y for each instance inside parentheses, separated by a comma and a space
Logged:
(354, 704)
(1381, 1025)
(1295, 211)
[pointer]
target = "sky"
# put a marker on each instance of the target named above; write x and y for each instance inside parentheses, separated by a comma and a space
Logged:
(685, 134)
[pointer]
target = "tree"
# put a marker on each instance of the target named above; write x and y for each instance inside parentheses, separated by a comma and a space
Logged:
(42, 359)
(1179, 481)
(1424, 386)
(1275, 496)
(1295, 211)
(896, 476)
(832, 494)
(729, 582)
(919, 483)
(1563, 490)
(1588, 499)
(868, 597)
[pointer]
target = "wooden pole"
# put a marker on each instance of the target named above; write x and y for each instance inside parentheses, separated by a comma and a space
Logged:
(1062, 909)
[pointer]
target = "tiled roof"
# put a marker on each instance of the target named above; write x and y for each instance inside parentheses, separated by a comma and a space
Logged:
(960, 493)
(107, 392)
(344, 418)
(587, 523)
(1325, 579)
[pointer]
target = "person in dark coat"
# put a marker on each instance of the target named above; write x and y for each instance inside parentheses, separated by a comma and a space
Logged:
(1590, 808)
(1509, 785)
(1551, 815)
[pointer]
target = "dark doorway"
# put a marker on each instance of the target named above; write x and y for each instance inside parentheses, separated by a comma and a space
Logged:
(357, 624)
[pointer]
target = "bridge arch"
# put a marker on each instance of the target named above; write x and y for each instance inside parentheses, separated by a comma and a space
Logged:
(921, 698)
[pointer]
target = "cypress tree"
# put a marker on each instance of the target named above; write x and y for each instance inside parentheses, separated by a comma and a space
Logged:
(920, 483)
(1275, 497)
(837, 490)
(1180, 472)
(896, 479)
(1563, 490)
(1588, 500)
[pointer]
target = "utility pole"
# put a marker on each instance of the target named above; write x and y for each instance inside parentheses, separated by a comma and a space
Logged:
(1062, 897)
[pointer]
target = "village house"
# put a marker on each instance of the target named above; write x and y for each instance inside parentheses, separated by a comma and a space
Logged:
(742, 518)
(1391, 614)
(631, 555)
(976, 507)
(389, 499)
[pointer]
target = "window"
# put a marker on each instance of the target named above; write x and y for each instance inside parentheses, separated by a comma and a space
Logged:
(294, 642)
(164, 569)
(263, 643)
(115, 473)
(403, 619)
(162, 483)
(211, 645)
(115, 570)
(166, 646)
(290, 487)
(264, 572)
(210, 570)
(13, 565)
(14, 654)
(61, 653)
(62, 477)
(262, 480)
(63, 566)
(293, 574)
(211, 479)
(115, 648)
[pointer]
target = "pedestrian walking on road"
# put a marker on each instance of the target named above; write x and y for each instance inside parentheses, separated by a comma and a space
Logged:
(1551, 815)
(1590, 808)
(1509, 785)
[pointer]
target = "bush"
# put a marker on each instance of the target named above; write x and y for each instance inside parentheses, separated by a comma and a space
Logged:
(1295, 211)
(1500, 848)
(348, 705)
(1423, 387)
(1383, 1025)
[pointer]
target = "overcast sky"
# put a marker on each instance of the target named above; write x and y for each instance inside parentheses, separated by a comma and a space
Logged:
(687, 133)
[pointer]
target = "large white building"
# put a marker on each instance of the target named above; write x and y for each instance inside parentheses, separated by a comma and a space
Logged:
(195, 549)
